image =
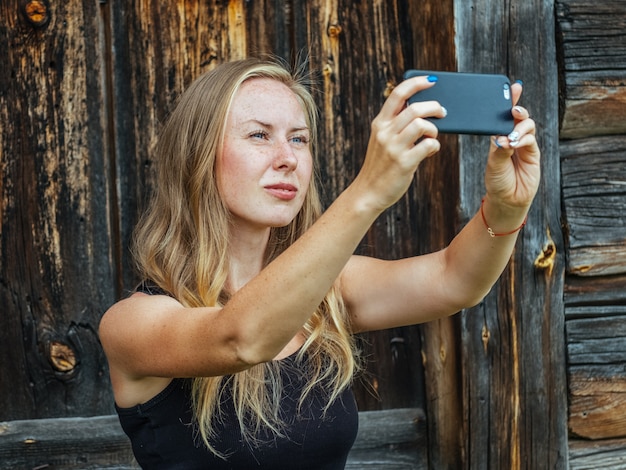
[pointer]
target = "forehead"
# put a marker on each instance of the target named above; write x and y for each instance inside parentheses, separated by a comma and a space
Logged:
(264, 98)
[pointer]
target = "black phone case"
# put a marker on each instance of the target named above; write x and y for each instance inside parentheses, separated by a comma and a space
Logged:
(476, 103)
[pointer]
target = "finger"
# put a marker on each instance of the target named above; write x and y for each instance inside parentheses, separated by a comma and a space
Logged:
(516, 91)
(396, 101)
(426, 148)
(428, 109)
(415, 130)
(525, 141)
(524, 126)
(418, 110)
(520, 113)
(516, 138)
(527, 126)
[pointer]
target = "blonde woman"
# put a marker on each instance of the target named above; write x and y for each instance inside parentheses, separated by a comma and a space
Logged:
(237, 349)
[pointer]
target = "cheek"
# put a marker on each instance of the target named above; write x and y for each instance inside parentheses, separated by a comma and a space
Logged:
(306, 169)
(227, 168)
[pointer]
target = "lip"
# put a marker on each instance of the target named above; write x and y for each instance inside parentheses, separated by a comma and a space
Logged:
(283, 191)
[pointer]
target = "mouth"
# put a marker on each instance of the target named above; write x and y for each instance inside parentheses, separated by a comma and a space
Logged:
(283, 191)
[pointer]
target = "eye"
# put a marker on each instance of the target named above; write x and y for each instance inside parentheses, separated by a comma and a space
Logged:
(258, 135)
(300, 139)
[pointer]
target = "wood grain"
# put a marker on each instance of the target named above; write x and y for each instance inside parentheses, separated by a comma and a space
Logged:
(592, 54)
(594, 197)
(55, 249)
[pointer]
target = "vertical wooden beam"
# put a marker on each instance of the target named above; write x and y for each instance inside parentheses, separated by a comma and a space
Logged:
(513, 342)
(55, 254)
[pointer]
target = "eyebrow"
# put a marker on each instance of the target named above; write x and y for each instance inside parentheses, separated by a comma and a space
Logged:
(270, 126)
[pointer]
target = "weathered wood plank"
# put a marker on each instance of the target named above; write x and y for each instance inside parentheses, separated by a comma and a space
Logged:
(514, 378)
(601, 296)
(598, 415)
(596, 345)
(597, 377)
(55, 251)
(593, 455)
(593, 56)
(392, 439)
(594, 199)
(72, 443)
(597, 340)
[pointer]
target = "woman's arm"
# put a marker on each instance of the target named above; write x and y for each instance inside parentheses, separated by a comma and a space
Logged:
(384, 294)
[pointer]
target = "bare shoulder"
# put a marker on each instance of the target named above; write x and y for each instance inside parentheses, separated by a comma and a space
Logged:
(129, 317)
(121, 327)
(150, 339)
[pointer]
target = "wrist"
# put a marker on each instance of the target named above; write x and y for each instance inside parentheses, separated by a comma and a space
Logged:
(501, 220)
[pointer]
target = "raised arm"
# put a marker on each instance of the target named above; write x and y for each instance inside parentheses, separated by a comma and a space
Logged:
(383, 294)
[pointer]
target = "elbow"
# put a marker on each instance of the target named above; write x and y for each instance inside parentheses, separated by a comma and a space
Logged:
(473, 299)
(466, 300)
(252, 352)
(250, 356)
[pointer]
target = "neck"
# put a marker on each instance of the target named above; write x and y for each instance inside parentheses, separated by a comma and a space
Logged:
(247, 251)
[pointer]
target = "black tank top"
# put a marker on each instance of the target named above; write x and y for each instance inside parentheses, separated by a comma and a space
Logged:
(163, 436)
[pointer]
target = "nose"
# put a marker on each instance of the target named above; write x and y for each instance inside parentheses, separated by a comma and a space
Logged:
(285, 158)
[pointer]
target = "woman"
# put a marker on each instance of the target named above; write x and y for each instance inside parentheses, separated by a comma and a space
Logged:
(237, 350)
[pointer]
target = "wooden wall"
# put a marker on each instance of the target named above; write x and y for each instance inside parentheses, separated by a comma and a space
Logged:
(592, 56)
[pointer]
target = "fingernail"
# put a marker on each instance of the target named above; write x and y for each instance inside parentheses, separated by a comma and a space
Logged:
(518, 109)
(520, 82)
(444, 111)
(514, 143)
(514, 136)
(495, 141)
(432, 78)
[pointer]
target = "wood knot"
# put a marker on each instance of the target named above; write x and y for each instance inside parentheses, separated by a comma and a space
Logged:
(36, 12)
(62, 357)
(334, 30)
(485, 336)
(547, 258)
(388, 89)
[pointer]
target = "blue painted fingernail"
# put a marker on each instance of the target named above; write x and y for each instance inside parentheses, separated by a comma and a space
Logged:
(432, 78)
(444, 111)
(519, 81)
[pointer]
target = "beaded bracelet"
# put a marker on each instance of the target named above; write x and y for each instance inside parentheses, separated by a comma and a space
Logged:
(491, 232)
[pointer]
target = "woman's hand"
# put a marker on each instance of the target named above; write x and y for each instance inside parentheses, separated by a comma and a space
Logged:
(513, 168)
(400, 140)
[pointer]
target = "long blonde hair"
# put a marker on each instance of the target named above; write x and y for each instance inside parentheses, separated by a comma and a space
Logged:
(181, 244)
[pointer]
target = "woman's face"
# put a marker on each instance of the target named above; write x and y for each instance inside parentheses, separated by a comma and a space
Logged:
(265, 164)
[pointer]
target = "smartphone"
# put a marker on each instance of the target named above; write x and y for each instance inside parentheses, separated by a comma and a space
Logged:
(476, 103)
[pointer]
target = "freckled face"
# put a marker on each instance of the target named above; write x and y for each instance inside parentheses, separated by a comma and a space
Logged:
(265, 165)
